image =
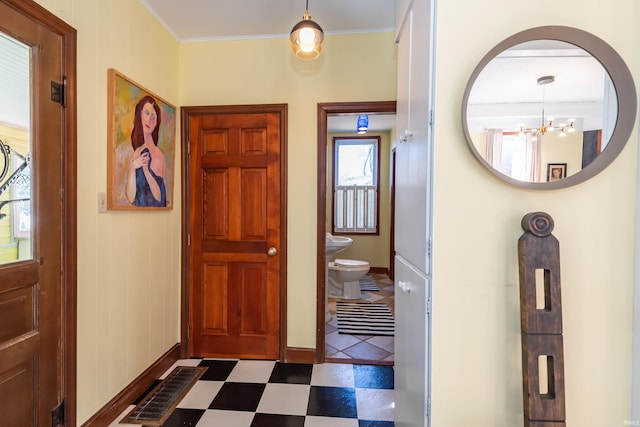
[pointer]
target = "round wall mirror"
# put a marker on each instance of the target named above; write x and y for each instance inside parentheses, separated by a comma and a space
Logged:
(549, 107)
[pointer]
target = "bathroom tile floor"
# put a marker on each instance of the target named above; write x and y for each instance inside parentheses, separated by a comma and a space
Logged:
(377, 350)
(252, 393)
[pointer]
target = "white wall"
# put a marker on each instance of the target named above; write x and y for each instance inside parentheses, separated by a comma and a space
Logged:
(476, 325)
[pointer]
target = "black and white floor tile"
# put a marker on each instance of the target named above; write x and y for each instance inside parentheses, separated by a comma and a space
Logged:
(251, 393)
(373, 349)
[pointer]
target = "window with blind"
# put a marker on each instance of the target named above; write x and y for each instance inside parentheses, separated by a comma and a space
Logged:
(356, 185)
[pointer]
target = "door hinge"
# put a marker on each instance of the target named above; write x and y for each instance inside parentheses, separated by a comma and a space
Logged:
(430, 118)
(429, 246)
(188, 239)
(59, 91)
(427, 410)
(58, 415)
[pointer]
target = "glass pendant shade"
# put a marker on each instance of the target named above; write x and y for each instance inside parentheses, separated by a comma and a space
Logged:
(363, 123)
(306, 38)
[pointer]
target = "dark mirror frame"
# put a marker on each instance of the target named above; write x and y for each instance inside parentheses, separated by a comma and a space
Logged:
(622, 82)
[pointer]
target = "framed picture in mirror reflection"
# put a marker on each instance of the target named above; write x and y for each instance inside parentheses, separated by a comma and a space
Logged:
(556, 171)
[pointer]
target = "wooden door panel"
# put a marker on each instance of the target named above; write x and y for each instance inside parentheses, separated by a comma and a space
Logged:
(253, 296)
(253, 206)
(215, 209)
(215, 287)
(235, 217)
(18, 315)
(232, 305)
(32, 364)
(18, 403)
(215, 142)
(253, 141)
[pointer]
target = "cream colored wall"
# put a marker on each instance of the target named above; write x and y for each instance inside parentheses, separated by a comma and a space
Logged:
(351, 68)
(128, 299)
(557, 149)
(128, 262)
(373, 249)
(476, 324)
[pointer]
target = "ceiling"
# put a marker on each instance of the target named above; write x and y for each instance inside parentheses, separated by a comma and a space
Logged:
(201, 20)
(198, 20)
(347, 122)
(506, 93)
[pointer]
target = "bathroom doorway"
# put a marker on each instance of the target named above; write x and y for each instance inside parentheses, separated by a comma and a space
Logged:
(338, 120)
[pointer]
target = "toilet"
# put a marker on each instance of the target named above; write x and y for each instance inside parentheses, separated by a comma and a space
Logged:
(344, 278)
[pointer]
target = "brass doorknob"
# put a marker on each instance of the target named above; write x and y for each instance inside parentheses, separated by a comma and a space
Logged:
(272, 251)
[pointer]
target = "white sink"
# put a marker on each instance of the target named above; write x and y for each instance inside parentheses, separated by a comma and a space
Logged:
(337, 243)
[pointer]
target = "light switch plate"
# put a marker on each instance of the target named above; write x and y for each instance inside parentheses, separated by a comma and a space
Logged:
(102, 202)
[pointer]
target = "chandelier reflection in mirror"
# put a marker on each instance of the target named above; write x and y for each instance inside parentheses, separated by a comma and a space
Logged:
(546, 124)
(591, 84)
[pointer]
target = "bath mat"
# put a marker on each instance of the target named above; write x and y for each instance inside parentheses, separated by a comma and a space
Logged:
(156, 407)
(358, 318)
(367, 284)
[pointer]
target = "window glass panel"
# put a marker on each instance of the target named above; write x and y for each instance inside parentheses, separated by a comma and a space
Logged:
(514, 157)
(15, 148)
(357, 162)
(355, 185)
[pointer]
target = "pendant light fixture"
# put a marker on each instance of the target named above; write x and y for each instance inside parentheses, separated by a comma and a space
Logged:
(546, 124)
(363, 124)
(306, 37)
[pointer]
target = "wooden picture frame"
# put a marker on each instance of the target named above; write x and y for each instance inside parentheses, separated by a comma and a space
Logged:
(141, 177)
(556, 171)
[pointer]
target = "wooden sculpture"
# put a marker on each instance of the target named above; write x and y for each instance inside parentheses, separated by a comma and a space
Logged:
(541, 323)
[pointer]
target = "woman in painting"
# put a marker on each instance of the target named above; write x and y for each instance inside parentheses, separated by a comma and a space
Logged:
(556, 174)
(145, 179)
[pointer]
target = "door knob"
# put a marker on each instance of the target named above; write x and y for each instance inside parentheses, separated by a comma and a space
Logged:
(272, 251)
(404, 286)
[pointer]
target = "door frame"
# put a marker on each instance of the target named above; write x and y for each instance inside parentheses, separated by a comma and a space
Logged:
(68, 309)
(185, 114)
(324, 111)
(392, 215)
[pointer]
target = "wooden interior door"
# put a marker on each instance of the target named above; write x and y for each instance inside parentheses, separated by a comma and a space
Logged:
(236, 231)
(32, 296)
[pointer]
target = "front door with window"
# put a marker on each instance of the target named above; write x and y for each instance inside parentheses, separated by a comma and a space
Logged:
(33, 229)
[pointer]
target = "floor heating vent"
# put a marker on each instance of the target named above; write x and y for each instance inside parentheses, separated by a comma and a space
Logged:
(155, 407)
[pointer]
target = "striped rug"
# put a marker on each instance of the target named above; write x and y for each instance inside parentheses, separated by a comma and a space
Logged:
(367, 284)
(361, 318)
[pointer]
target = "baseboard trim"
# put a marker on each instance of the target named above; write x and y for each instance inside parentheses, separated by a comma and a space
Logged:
(379, 270)
(300, 355)
(129, 394)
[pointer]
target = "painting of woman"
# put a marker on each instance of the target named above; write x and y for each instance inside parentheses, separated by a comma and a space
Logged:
(141, 147)
(145, 180)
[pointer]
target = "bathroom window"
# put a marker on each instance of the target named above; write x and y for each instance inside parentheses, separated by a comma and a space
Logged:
(356, 168)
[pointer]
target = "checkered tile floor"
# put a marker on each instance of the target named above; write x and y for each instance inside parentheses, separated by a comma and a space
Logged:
(377, 350)
(250, 393)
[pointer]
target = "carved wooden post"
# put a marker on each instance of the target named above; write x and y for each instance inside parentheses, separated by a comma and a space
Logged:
(541, 323)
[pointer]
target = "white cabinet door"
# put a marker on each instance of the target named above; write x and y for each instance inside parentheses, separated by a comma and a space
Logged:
(413, 150)
(403, 79)
(412, 295)
(401, 11)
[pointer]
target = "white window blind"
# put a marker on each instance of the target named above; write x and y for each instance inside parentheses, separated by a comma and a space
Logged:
(355, 208)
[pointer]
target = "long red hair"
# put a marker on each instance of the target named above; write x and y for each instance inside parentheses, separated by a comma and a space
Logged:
(137, 135)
